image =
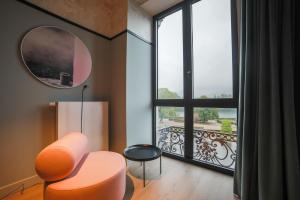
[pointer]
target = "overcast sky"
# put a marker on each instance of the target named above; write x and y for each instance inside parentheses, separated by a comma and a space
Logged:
(211, 46)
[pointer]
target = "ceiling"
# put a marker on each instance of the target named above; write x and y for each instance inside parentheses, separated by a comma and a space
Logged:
(154, 7)
(139, 2)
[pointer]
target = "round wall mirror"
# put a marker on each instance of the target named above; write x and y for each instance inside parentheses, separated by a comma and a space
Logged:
(56, 57)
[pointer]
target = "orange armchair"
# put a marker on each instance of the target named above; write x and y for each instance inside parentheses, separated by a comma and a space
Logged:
(72, 173)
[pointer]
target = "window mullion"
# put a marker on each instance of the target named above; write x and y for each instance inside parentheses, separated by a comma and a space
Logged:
(187, 77)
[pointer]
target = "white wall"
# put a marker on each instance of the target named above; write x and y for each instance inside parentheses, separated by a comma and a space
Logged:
(138, 21)
(138, 92)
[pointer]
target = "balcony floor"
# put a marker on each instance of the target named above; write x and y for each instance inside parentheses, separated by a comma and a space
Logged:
(179, 181)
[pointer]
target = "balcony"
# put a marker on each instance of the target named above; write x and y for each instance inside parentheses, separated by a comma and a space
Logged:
(210, 146)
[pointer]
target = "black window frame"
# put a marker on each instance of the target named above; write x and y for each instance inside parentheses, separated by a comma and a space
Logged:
(188, 102)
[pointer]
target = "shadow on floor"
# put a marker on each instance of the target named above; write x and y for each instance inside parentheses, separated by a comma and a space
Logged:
(152, 170)
(129, 188)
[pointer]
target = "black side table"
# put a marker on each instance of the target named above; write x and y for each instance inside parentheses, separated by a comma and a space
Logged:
(142, 153)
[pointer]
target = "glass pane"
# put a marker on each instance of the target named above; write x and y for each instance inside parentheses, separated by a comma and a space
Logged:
(215, 136)
(212, 58)
(170, 129)
(170, 57)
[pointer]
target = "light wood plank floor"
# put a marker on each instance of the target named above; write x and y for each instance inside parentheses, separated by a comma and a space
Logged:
(179, 181)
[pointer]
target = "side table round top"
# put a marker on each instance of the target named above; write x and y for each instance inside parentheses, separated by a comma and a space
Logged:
(142, 152)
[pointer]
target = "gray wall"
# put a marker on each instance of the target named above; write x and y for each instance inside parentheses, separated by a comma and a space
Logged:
(26, 122)
(138, 92)
(120, 74)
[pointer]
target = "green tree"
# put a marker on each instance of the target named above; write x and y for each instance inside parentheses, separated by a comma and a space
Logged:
(203, 97)
(165, 93)
(167, 113)
(226, 126)
(206, 114)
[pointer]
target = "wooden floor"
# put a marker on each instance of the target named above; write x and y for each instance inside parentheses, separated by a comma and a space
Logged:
(179, 181)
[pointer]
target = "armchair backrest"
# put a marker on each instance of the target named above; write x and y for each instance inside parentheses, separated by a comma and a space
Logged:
(59, 159)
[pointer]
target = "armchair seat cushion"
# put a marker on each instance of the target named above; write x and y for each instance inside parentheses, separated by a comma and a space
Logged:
(99, 175)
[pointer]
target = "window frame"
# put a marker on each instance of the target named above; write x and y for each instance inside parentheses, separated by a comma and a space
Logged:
(188, 102)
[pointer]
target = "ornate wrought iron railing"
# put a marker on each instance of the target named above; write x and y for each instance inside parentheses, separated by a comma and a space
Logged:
(210, 146)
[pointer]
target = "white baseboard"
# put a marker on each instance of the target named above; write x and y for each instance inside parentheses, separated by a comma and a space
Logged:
(17, 186)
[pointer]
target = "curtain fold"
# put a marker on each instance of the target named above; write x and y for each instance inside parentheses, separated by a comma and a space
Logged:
(267, 166)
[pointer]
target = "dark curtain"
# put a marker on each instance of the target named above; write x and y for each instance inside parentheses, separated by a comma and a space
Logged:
(297, 71)
(267, 166)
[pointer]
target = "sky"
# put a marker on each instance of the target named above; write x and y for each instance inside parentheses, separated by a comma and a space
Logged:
(212, 56)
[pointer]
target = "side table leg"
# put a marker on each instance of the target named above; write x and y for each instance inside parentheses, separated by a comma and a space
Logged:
(144, 172)
(160, 165)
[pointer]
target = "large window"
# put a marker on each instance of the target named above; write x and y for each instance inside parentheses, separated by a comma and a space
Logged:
(212, 55)
(170, 57)
(195, 83)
